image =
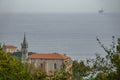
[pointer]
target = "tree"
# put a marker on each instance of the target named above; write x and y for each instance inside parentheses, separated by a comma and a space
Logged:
(80, 70)
(12, 69)
(39, 75)
(61, 74)
(107, 68)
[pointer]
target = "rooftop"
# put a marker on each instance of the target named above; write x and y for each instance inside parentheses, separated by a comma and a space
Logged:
(10, 46)
(49, 56)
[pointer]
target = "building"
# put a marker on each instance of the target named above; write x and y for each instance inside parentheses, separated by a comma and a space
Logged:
(9, 48)
(48, 62)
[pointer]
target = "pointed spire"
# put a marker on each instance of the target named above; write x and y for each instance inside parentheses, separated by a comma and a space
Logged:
(24, 44)
(24, 40)
(24, 50)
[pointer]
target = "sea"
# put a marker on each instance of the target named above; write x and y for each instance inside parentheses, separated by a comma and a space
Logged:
(73, 34)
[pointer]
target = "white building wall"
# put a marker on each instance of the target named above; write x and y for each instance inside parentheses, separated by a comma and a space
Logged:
(48, 64)
(11, 50)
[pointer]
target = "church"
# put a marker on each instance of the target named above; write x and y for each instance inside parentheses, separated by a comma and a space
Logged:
(47, 62)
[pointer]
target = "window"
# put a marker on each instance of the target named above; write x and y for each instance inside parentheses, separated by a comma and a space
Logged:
(55, 66)
(41, 65)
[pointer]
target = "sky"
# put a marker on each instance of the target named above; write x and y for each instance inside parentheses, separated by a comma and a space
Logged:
(59, 6)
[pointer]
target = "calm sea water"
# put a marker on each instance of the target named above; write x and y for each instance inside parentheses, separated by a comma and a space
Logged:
(71, 34)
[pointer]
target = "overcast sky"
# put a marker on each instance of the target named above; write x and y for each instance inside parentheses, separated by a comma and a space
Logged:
(58, 6)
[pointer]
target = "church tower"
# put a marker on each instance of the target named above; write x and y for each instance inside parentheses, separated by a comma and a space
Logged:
(24, 50)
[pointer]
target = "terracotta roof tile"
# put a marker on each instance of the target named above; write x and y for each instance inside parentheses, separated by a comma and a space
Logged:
(10, 46)
(49, 56)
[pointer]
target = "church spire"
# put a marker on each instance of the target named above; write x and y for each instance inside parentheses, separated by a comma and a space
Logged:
(24, 50)
(25, 45)
(24, 41)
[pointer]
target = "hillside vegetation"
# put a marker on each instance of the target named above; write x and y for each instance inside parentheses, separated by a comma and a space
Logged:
(100, 68)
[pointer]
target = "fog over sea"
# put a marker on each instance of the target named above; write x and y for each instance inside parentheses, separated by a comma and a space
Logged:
(71, 34)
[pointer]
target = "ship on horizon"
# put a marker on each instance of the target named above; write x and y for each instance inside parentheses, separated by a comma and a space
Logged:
(101, 11)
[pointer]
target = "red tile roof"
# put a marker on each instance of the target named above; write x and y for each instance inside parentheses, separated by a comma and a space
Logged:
(10, 46)
(49, 56)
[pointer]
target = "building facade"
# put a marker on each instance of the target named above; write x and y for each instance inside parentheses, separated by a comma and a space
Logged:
(9, 48)
(50, 62)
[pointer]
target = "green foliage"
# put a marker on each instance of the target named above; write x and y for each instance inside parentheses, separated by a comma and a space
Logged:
(100, 68)
(39, 75)
(101, 76)
(107, 68)
(80, 70)
(12, 68)
(19, 54)
(61, 74)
